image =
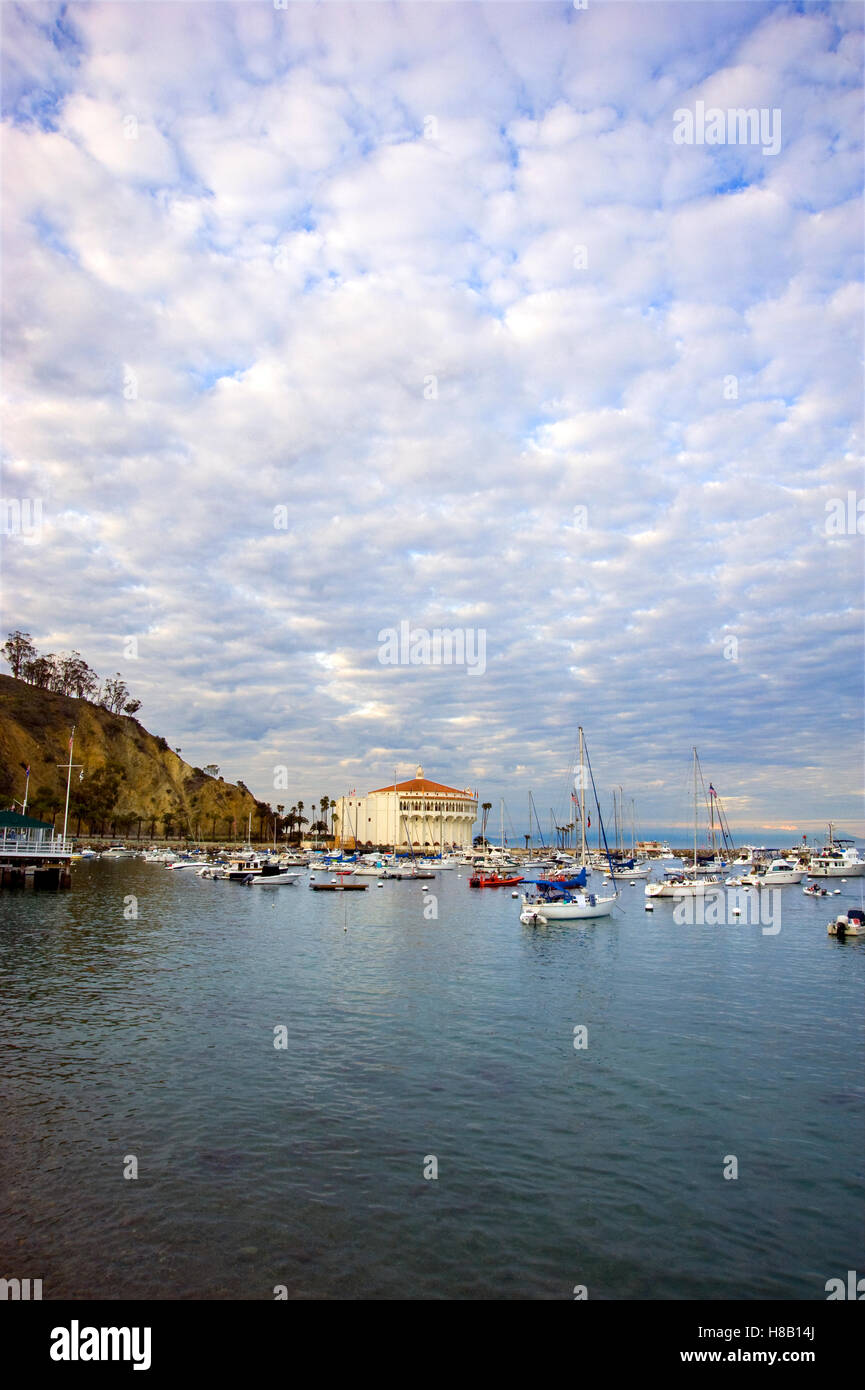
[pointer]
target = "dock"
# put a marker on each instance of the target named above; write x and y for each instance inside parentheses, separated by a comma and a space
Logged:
(32, 855)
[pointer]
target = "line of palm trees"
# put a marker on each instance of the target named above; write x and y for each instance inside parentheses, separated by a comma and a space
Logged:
(562, 830)
(295, 820)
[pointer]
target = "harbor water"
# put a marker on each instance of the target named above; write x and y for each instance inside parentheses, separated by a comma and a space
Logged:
(369, 1095)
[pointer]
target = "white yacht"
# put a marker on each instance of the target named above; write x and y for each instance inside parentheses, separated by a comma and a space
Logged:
(839, 859)
(775, 874)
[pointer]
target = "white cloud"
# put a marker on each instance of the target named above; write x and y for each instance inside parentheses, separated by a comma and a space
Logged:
(380, 325)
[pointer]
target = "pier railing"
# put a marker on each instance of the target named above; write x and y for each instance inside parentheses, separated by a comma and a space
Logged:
(34, 847)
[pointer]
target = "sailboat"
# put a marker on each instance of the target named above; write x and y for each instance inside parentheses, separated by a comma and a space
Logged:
(555, 903)
(633, 867)
(685, 884)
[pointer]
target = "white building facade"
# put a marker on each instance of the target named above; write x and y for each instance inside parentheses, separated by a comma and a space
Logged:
(419, 813)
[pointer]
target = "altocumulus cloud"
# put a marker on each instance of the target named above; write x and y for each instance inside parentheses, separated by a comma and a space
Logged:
(437, 282)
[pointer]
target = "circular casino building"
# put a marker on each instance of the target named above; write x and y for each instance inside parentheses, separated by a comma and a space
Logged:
(420, 814)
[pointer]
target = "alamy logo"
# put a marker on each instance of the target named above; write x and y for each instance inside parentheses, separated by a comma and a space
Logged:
(717, 907)
(19, 1290)
(441, 646)
(855, 1288)
(76, 1343)
(736, 126)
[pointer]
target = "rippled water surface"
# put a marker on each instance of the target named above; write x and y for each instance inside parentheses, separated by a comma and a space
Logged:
(407, 1038)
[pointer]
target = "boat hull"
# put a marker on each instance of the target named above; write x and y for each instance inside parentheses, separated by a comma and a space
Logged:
(778, 880)
(577, 910)
(687, 888)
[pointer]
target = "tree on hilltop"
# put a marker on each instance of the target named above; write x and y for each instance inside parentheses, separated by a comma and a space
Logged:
(41, 671)
(66, 674)
(18, 649)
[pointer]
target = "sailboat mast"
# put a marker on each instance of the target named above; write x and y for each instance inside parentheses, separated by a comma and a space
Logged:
(695, 812)
(581, 802)
(68, 785)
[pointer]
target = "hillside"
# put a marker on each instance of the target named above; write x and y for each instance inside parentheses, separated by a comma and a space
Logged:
(132, 780)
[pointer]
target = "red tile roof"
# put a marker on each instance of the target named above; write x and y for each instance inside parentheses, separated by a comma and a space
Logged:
(423, 786)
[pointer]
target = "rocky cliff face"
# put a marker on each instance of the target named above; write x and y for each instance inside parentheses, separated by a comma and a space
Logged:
(130, 776)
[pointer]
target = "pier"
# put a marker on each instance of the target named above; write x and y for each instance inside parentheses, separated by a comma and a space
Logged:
(31, 854)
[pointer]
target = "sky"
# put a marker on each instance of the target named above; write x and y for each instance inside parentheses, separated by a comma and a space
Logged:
(327, 322)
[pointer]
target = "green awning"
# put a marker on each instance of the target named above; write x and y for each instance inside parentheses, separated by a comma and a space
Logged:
(11, 820)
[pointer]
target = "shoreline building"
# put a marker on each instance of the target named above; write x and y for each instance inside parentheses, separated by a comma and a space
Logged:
(418, 813)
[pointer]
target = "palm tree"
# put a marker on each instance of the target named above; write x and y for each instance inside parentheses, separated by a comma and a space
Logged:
(486, 808)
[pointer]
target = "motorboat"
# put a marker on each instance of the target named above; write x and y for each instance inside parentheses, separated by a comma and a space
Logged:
(119, 852)
(494, 880)
(272, 877)
(238, 868)
(814, 890)
(776, 874)
(849, 923)
(839, 860)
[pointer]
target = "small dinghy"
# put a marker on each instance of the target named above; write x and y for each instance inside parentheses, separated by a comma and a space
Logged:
(815, 891)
